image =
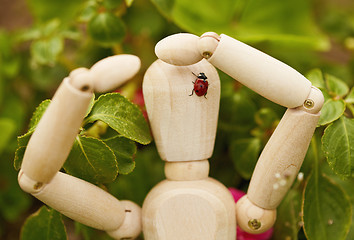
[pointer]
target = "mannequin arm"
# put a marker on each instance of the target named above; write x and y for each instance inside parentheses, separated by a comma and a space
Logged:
(260, 72)
(277, 168)
(51, 144)
(283, 155)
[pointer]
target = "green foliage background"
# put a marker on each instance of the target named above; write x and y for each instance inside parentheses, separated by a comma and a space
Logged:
(42, 41)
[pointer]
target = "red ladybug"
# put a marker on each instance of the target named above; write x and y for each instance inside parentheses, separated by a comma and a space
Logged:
(200, 85)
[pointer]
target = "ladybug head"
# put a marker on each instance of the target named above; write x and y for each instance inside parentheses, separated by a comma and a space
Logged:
(202, 76)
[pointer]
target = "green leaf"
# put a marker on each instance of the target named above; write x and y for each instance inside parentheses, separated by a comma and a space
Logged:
(326, 209)
(236, 112)
(90, 105)
(316, 78)
(22, 140)
(258, 23)
(121, 115)
(73, 34)
(20, 152)
(331, 111)
(350, 96)
(249, 21)
(288, 217)
(336, 86)
(51, 27)
(46, 51)
(124, 150)
(106, 28)
(145, 176)
(195, 16)
(7, 130)
(92, 160)
(45, 224)
(244, 153)
(351, 108)
(29, 34)
(338, 146)
(86, 232)
(347, 186)
(38, 113)
(326, 95)
(89, 11)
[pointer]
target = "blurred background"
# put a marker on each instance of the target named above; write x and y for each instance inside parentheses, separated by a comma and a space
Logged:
(42, 41)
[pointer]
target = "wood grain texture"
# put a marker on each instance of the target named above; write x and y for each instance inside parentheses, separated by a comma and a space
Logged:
(189, 210)
(82, 202)
(187, 171)
(281, 158)
(111, 72)
(54, 136)
(132, 225)
(183, 126)
(260, 72)
(179, 49)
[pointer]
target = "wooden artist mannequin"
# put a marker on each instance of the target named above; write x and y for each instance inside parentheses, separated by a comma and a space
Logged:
(188, 204)
(283, 155)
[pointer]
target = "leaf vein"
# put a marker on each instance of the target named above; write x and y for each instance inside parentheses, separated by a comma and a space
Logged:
(83, 152)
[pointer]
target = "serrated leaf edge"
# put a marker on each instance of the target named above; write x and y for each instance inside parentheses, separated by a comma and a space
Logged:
(17, 158)
(31, 128)
(326, 153)
(124, 155)
(340, 100)
(89, 137)
(303, 201)
(88, 120)
(36, 214)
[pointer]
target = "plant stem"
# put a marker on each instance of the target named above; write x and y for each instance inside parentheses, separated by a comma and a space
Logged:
(96, 130)
(316, 157)
(351, 108)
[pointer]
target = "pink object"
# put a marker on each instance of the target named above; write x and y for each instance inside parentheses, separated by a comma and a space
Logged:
(237, 194)
(242, 235)
(139, 100)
